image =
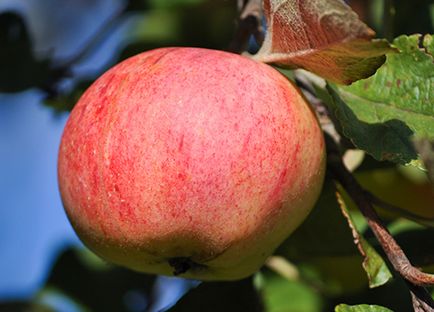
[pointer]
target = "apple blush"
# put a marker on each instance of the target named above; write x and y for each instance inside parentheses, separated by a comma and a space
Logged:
(190, 162)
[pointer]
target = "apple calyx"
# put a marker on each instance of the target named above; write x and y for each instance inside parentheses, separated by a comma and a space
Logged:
(181, 265)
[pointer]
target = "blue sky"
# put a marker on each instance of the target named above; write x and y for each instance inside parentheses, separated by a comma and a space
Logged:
(33, 226)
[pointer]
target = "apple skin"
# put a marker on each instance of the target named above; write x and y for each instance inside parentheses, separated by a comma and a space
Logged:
(192, 161)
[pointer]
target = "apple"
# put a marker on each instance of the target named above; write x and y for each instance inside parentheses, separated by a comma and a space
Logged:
(190, 161)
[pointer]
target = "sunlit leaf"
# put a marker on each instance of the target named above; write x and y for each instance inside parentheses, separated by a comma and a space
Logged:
(361, 308)
(383, 113)
(388, 140)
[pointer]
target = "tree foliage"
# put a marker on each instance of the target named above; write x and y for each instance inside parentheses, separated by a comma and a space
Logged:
(372, 96)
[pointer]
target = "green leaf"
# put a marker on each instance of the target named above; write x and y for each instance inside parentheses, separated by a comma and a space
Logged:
(383, 113)
(316, 238)
(374, 265)
(326, 249)
(221, 296)
(389, 140)
(361, 308)
(282, 295)
(324, 37)
(428, 43)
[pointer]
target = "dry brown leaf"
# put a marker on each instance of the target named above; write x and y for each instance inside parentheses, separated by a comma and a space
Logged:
(325, 37)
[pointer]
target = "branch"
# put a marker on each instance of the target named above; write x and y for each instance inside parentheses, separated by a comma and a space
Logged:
(283, 267)
(416, 278)
(249, 23)
(422, 301)
(393, 251)
(406, 214)
(63, 69)
(94, 40)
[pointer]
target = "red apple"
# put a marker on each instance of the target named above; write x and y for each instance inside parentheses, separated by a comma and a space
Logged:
(192, 161)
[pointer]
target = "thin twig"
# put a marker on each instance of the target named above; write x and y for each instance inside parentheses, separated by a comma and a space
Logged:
(94, 40)
(392, 208)
(393, 251)
(249, 23)
(422, 301)
(63, 68)
(283, 267)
